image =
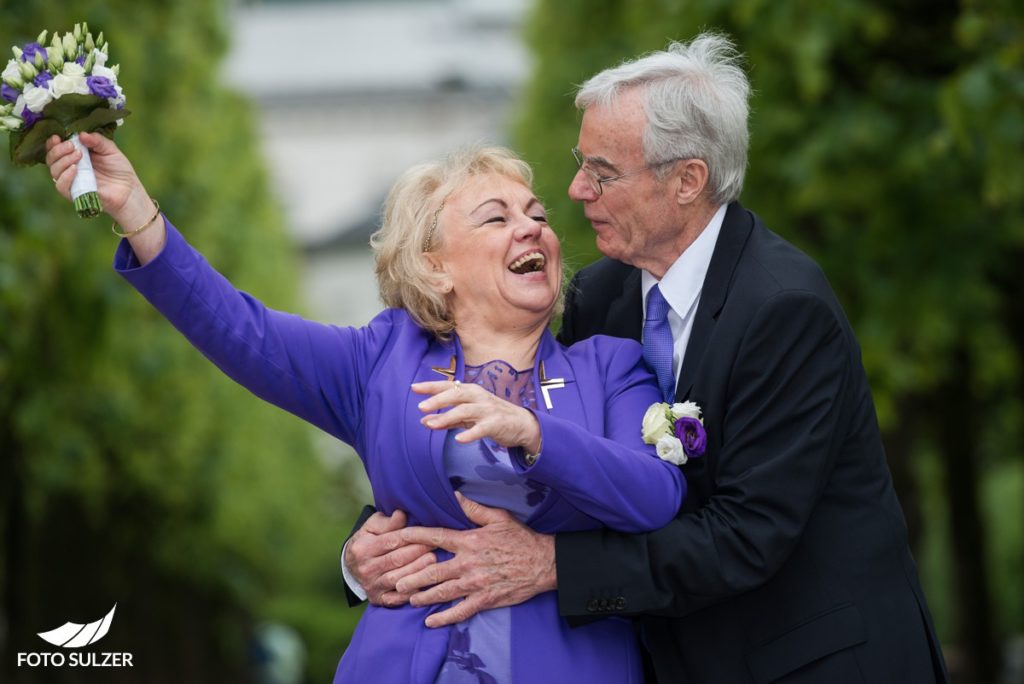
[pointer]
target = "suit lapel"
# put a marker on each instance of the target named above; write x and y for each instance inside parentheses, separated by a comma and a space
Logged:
(733, 236)
(625, 312)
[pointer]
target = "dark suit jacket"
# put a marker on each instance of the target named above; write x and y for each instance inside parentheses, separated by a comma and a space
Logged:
(788, 561)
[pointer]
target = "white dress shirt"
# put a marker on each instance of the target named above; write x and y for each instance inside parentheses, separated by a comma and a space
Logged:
(681, 286)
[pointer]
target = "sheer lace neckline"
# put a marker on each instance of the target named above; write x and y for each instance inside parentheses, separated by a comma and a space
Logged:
(503, 380)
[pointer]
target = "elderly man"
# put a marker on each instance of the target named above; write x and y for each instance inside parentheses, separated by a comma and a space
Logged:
(789, 560)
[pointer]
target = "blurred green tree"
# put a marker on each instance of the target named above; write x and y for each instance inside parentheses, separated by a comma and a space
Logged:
(130, 469)
(887, 142)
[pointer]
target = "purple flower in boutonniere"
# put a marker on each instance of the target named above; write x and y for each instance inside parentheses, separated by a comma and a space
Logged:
(676, 431)
(691, 433)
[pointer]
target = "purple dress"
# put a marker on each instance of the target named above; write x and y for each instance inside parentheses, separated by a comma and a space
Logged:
(354, 383)
(479, 649)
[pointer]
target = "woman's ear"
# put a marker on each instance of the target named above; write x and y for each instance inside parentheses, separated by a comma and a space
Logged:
(440, 279)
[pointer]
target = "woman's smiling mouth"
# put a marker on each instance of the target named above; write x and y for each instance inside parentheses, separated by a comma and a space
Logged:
(530, 262)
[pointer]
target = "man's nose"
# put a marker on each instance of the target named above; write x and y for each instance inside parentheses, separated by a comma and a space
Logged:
(580, 189)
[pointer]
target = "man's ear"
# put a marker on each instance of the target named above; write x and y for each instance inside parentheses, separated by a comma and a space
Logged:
(692, 178)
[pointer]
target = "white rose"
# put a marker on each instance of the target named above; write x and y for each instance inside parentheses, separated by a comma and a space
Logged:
(73, 69)
(671, 449)
(12, 75)
(655, 423)
(62, 84)
(37, 98)
(687, 409)
(19, 106)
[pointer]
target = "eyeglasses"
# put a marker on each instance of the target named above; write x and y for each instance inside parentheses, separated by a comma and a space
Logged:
(597, 181)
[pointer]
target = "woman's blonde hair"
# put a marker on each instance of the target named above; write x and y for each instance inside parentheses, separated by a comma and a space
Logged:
(410, 228)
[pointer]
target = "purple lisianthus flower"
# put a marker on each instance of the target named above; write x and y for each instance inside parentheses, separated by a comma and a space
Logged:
(43, 79)
(30, 117)
(691, 433)
(8, 93)
(101, 86)
(80, 60)
(29, 52)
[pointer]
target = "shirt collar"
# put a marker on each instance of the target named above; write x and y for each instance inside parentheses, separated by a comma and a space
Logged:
(682, 283)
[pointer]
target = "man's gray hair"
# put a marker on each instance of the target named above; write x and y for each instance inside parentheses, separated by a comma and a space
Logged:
(695, 96)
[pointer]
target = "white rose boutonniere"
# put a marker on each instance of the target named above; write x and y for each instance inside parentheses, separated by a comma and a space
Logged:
(670, 449)
(687, 409)
(655, 423)
(676, 431)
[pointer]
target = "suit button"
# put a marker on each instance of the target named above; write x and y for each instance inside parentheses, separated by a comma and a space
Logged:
(620, 603)
(602, 605)
(592, 606)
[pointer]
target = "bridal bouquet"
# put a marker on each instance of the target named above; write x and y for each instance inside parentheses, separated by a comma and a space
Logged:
(676, 431)
(64, 88)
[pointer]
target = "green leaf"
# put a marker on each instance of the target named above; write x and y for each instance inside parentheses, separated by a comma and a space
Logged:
(29, 147)
(67, 115)
(102, 120)
(73, 107)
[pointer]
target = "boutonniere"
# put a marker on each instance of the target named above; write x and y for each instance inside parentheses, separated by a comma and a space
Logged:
(676, 431)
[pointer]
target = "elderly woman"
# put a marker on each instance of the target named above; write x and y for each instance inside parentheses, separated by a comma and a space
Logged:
(456, 387)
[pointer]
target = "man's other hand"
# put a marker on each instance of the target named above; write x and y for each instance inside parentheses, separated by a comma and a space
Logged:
(377, 556)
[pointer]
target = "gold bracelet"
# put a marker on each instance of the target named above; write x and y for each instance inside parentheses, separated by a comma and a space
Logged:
(144, 226)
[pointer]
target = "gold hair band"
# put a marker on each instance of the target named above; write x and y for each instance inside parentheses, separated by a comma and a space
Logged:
(433, 227)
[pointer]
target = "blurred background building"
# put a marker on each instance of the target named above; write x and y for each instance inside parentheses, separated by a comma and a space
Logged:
(369, 90)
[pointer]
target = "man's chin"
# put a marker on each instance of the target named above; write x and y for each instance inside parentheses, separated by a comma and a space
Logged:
(608, 248)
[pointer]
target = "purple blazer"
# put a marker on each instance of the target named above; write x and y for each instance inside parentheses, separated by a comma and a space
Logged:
(354, 383)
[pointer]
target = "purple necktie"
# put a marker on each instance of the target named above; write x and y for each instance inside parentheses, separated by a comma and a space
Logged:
(658, 343)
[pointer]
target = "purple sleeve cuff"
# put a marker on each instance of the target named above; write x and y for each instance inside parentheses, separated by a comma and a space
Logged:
(125, 259)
